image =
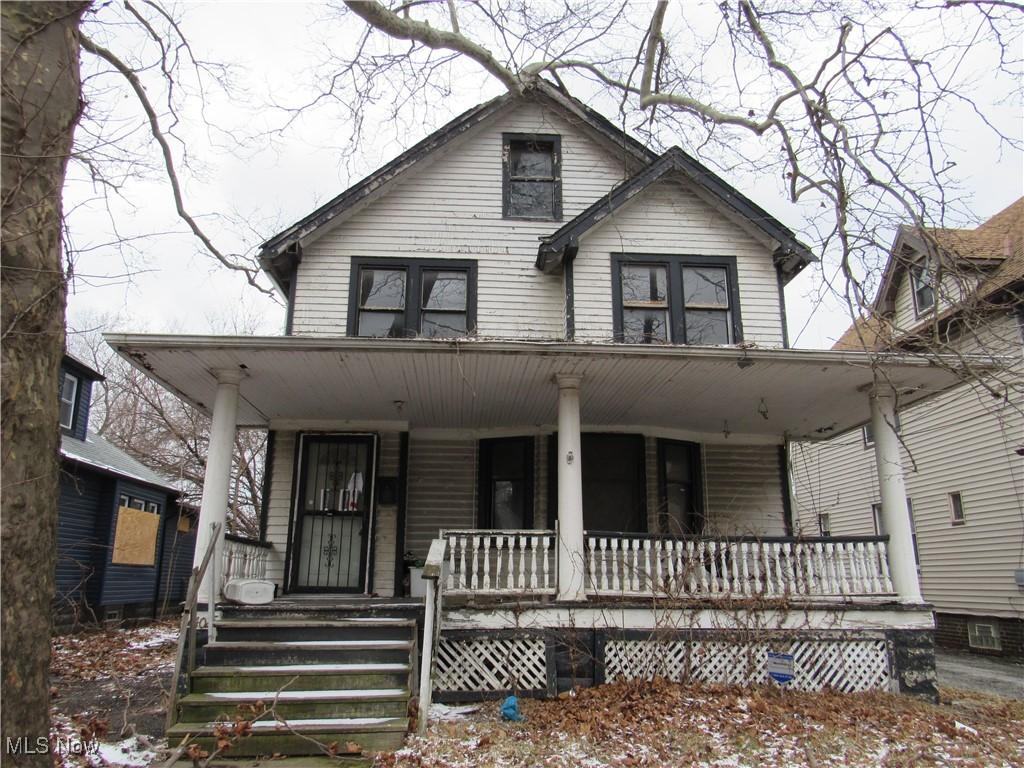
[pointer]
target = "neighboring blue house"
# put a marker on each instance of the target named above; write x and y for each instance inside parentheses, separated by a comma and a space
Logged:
(124, 539)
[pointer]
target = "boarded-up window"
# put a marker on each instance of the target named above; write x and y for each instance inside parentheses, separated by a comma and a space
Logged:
(135, 537)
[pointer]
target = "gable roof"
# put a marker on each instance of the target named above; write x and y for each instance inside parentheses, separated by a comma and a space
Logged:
(76, 366)
(274, 256)
(792, 255)
(279, 256)
(999, 241)
(98, 453)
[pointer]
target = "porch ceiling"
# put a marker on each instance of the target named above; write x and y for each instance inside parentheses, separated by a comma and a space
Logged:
(491, 385)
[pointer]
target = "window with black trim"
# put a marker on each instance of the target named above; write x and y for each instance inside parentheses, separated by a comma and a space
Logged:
(531, 176)
(825, 524)
(676, 300)
(400, 299)
(68, 395)
(922, 281)
(506, 483)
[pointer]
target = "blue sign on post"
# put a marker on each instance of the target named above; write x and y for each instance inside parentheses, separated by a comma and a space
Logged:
(780, 667)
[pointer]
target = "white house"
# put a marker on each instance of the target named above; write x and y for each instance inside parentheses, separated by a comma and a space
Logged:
(962, 451)
(553, 364)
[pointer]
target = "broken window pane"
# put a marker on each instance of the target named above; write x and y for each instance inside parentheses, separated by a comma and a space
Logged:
(533, 199)
(382, 288)
(705, 287)
(644, 284)
(444, 290)
(706, 327)
(531, 159)
(644, 326)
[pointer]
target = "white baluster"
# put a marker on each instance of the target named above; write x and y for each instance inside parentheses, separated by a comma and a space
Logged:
(475, 582)
(757, 557)
(883, 562)
(591, 563)
(604, 564)
(741, 571)
(544, 563)
(871, 550)
(647, 574)
(616, 553)
(451, 563)
(671, 588)
(690, 566)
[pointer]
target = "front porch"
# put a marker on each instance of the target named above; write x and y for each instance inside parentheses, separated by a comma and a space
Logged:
(586, 512)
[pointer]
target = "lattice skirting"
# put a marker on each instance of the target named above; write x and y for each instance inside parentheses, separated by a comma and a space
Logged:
(844, 665)
(487, 665)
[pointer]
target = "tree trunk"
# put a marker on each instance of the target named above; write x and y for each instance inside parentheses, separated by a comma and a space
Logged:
(40, 106)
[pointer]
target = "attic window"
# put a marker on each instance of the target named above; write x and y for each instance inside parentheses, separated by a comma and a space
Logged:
(531, 176)
(921, 281)
(68, 393)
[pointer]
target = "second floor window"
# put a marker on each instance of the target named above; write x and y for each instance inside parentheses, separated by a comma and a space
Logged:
(531, 176)
(921, 282)
(398, 299)
(676, 299)
(68, 393)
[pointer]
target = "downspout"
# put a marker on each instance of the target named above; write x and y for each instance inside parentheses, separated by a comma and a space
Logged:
(569, 256)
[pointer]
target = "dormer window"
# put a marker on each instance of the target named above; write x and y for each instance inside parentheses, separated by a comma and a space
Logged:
(662, 299)
(532, 176)
(68, 395)
(921, 282)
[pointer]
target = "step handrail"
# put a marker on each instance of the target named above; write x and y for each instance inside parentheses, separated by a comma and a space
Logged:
(187, 625)
(431, 626)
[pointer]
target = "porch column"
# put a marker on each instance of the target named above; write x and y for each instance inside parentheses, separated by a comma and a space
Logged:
(902, 565)
(217, 479)
(571, 559)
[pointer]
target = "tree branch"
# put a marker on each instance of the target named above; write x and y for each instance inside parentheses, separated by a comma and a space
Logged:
(172, 175)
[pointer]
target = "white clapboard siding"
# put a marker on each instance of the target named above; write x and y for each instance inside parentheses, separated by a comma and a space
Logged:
(743, 490)
(279, 505)
(954, 287)
(962, 441)
(452, 208)
(384, 524)
(441, 489)
(668, 219)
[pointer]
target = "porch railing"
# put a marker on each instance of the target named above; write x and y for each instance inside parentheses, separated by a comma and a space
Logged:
(492, 562)
(649, 565)
(244, 558)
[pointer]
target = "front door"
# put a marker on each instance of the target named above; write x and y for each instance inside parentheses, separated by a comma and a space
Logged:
(333, 513)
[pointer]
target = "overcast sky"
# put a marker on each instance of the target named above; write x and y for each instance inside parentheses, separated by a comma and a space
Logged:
(257, 183)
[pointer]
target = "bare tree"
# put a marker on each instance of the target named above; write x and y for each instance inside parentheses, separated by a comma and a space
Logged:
(40, 106)
(44, 97)
(166, 434)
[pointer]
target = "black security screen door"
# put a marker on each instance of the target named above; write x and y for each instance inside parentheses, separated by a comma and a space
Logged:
(333, 516)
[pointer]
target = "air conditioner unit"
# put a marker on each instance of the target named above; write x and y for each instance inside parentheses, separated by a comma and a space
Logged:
(249, 591)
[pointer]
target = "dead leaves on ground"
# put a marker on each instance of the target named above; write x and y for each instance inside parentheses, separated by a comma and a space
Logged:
(114, 652)
(663, 723)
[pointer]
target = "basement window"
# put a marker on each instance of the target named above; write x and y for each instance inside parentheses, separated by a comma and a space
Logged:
(956, 508)
(983, 635)
(531, 176)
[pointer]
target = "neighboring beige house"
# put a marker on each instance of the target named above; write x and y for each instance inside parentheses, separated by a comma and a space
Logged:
(963, 454)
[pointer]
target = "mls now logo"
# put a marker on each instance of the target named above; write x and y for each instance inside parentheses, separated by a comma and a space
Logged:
(61, 745)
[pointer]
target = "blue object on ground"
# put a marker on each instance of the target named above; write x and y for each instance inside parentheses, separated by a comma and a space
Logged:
(510, 710)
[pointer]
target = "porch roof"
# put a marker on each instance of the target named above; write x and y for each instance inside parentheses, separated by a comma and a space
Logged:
(293, 381)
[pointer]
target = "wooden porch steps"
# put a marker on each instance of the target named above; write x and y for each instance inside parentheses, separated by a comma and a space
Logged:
(338, 682)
